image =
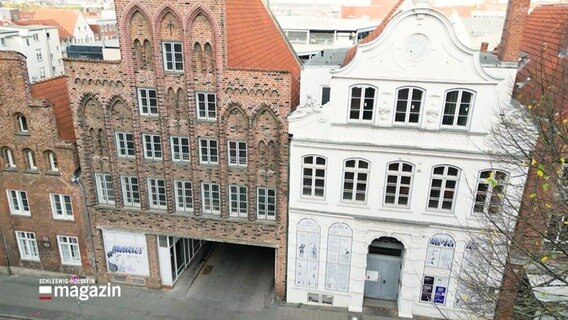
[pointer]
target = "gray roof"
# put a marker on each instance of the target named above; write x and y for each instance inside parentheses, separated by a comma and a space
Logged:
(328, 57)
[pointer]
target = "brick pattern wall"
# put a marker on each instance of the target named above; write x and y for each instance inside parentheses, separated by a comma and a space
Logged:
(517, 12)
(252, 106)
(15, 97)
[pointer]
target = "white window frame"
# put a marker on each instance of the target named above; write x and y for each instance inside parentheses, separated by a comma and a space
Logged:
(409, 105)
(52, 161)
(8, 158)
(148, 106)
(180, 149)
(455, 114)
(263, 199)
(208, 192)
(61, 206)
(317, 173)
(398, 185)
(30, 160)
(206, 155)
(105, 189)
(124, 141)
(204, 105)
(152, 146)
(18, 202)
(235, 149)
(173, 58)
(440, 252)
(184, 195)
(27, 245)
(72, 256)
(39, 55)
(22, 124)
(492, 184)
(156, 198)
(443, 188)
(237, 206)
(357, 172)
(129, 198)
(362, 103)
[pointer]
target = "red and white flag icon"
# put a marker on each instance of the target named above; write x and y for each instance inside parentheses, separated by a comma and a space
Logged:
(45, 293)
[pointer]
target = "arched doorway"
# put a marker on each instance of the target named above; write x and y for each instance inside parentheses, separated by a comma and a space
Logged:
(384, 262)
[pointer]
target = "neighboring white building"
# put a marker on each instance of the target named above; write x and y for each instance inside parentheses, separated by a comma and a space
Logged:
(383, 177)
(40, 45)
(72, 21)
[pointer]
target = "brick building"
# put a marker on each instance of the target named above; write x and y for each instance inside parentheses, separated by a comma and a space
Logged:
(41, 209)
(186, 138)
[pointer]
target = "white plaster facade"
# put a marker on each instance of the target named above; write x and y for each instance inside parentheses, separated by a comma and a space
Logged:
(418, 49)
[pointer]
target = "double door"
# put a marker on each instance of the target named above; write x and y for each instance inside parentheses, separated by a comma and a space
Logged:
(382, 277)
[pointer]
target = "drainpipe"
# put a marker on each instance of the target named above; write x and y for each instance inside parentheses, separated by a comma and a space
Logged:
(77, 179)
(6, 252)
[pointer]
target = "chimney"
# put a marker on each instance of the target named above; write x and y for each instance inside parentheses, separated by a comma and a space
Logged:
(484, 46)
(517, 12)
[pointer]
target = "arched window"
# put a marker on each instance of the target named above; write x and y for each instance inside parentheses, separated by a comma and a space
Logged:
(197, 58)
(30, 159)
(313, 176)
(438, 264)
(8, 158)
(399, 182)
(22, 123)
(443, 188)
(307, 253)
(489, 192)
(457, 108)
(51, 159)
(408, 106)
(440, 251)
(209, 62)
(356, 175)
(362, 103)
(339, 254)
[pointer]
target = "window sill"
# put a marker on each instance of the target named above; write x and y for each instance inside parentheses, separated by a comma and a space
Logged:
(180, 162)
(53, 173)
(64, 219)
(29, 215)
(106, 206)
(440, 213)
(397, 209)
(30, 260)
(30, 171)
(232, 166)
(174, 72)
(126, 157)
(362, 123)
(151, 116)
(154, 159)
(362, 205)
(206, 120)
(23, 134)
(209, 164)
(69, 264)
(12, 169)
(312, 200)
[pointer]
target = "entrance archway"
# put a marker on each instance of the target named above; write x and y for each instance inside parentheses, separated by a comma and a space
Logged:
(384, 263)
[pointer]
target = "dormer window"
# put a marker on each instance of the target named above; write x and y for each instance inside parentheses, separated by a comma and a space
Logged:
(22, 124)
(457, 108)
(408, 106)
(362, 103)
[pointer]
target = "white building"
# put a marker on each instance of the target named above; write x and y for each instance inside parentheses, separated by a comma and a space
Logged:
(40, 45)
(72, 21)
(383, 176)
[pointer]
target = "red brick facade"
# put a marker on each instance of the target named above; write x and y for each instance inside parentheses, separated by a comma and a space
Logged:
(38, 183)
(517, 12)
(251, 106)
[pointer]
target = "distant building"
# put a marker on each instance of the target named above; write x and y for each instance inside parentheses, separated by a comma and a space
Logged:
(39, 44)
(97, 50)
(9, 14)
(72, 21)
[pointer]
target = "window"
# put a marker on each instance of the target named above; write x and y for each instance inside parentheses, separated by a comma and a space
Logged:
(30, 160)
(489, 193)
(27, 245)
(399, 182)
(157, 193)
(211, 198)
(125, 144)
(362, 103)
(440, 251)
(36, 37)
(69, 250)
(42, 72)
(238, 201)
(8, 158)
(130, 191)
(206, 106)
(22, 124)
(443, 188)
(39, 55)
(152, 146)
(434, 289)
(208, 151)
(105, 190)
(2, 42)
(173, 58)
(456, 108)
(147, 102)
(355, 177)
(52, 161)
(408, 106)
(338, 257)
(18, 202)
(266, 203)
(307, 253)
(184, 196)
(238, 153)
(61, 207)
(180, 149)
(325, 95)
(313, 177)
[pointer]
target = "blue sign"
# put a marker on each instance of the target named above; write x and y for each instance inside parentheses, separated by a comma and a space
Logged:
(440, 295)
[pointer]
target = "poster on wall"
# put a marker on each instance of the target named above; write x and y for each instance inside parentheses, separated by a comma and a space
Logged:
(307, 253)
(338, 257)
(126, 253)
(440, 295)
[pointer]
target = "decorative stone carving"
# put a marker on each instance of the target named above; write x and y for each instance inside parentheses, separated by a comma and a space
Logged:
(310, 106)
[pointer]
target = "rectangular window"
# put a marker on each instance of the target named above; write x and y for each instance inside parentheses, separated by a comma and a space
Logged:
(238, 153)
(42, 73)
(8, 158)
(355, 181)
(208, 151)
(206, 106)
(105, 190)
(36, 37)
(147, 102)
(211, 198)
(61, 207)
(313, 177)
(18, 202)
(489, 192)
(157, 193)
(2, 42)
(69, 250)
(457, 108)
(125, 144)
(173, 57)
(434, 289)
(408, 106)
(325, 95)
(443, 188)
(27, 245)
(180, 149)
(362, 103)
(39, 56)
(130, 192)
(238, 201)
(184, 196)
(266, 203)
(152, 146)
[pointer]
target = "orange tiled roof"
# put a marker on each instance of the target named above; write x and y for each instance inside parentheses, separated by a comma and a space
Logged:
(373, 35)
(55, 91)
(255, 41)
(376, 11)
(63, 34)
(64, 17)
